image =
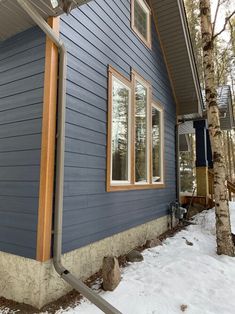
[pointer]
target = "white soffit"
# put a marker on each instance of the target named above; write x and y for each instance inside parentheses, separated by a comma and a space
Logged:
(13, 19)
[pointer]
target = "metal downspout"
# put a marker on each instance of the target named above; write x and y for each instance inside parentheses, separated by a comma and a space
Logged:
(58, 217)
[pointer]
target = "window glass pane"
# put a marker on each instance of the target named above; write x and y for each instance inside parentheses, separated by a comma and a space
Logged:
(140, 133)
(120, 121)
(140, 19)
(156, 144)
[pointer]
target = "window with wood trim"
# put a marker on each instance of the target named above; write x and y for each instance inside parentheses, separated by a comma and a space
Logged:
(157, 143)
(141, 20)
(135, 135)
(121, 96)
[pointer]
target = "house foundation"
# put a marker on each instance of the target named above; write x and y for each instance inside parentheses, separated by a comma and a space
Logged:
(36, 283)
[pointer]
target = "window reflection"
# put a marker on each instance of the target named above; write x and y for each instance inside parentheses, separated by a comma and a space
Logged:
(140, 133)
(156, 145)
(120, 121)
(140, 19)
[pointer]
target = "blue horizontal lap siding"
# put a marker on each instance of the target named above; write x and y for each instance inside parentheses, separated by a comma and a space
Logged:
(22, 60)
(96, 35)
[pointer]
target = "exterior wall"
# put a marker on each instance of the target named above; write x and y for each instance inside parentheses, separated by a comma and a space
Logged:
(96, 35)
(38, 284)
(21, 95)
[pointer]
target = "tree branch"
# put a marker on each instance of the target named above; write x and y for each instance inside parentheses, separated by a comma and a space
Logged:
(216, 13)
(227, 19)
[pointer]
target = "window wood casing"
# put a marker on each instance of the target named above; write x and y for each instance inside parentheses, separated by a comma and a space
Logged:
(146, 8)
(159, 108)
(132, 185)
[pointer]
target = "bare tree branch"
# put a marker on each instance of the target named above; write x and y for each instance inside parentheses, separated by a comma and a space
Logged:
(227, 19)
(223, 63)
(216, 13)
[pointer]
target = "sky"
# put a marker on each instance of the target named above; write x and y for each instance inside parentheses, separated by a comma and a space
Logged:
(221, 16)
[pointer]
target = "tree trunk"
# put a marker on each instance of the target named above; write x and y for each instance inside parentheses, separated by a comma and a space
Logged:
(229, 156)
(223, 226)
(225, 151)
(232, 150)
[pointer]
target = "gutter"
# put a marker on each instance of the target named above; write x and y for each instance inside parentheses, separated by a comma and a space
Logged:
(59, 190)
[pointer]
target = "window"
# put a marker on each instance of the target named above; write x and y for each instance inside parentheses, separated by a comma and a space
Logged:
(141, 138)
(120, 100)
(135, 135)
(141, 20)
(157, 139)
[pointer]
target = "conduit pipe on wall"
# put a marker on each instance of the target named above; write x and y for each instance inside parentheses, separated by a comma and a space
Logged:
(58, 215)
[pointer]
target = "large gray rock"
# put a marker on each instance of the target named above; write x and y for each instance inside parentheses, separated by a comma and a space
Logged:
(134, 256)
(111, 273)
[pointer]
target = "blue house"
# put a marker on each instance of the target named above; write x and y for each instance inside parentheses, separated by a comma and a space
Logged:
(89, 105)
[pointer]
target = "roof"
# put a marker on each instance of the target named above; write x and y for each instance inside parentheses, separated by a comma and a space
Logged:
(174, 33)
(224, 97)
(172, 26)
(226, 109)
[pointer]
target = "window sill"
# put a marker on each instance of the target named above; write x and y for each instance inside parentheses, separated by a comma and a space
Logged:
(128, 187)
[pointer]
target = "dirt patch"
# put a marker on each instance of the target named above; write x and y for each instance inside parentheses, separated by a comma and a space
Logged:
(73, 298)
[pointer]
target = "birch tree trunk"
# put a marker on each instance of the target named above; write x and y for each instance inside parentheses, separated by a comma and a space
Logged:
(223, 226)
(229, 156)
(233, 152)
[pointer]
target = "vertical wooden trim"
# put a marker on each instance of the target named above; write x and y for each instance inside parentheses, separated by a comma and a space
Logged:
(48, 148)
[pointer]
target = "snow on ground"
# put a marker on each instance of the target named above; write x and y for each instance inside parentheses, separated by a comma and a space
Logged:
(177, 277)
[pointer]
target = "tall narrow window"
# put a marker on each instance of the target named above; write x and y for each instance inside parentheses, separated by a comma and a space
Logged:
(121, 97)
(157, 138)
(140, 20)
(135, 135)
(141, 136)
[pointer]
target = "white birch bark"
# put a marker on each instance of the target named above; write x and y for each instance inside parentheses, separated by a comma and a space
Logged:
(223, 226)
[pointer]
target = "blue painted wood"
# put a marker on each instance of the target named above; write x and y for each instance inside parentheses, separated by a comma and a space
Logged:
(21, 96)
(201, 143)
(96, 35)
(209, 151)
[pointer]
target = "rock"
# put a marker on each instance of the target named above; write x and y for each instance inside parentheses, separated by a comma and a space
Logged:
(111, 273)
(188, 242)
(183, 307)
(134, 256)
(152, 243)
